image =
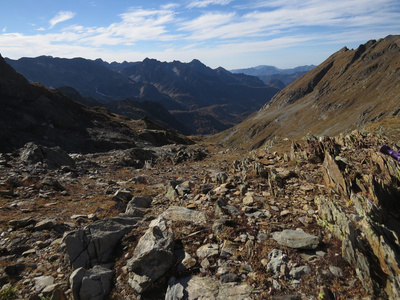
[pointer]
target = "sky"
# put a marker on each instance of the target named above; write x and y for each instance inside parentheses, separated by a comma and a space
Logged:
(228, 33)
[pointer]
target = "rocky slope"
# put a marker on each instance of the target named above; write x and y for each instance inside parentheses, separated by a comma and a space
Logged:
(198, 221)
(184, 87)
(347, 91)
(34, 113)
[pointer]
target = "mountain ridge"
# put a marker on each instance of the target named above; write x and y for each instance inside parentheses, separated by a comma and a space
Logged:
(274, 76)
(349, 90)
(179, 87)
(31, 112)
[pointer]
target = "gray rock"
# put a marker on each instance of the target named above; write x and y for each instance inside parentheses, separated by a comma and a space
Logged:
(140, 202)
(92, 284)
(151, 258)
(229, 277)
(95, 243)
(229, 248)
(336, 271)
(299, 272)
(44, 224)
(138, 206)
(297, 239)
(178, 213)
(20, 223)
(276, 260)
(205, 288)
(171, 192)
(54, 158)
(184, 188)
(122, 195)
(42, 282)
(207, 250)
(221, 177)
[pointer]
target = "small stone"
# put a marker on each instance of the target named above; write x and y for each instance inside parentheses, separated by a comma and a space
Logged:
(229, 277)
(228, 248)
(336, 271)
(29, 252)
(20, 223)
(275, 208)
(299, 272)
(285, 213)
(205, 264)
(42, 282)
(297, 239)
(44, 225)
(123, 195)
(249, 199)
(207, 250)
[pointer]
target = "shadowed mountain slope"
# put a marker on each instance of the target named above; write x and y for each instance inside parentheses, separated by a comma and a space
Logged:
(33, 113)
(347, 91)
(179, 87)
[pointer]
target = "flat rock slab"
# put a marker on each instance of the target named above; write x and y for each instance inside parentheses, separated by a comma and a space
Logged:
(204, 288)
(297, 239)
(179, 213)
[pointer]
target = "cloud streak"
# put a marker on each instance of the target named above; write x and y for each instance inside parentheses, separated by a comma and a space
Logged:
(62, 16)
(216, 34)
(205, 3)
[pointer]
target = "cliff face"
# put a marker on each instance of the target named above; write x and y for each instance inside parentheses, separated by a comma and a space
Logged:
(347, 91)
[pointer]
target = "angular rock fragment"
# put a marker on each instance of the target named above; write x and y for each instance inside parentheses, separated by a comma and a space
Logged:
(95, 244)
(54, 158)
(297, 239)
(276, 260)
(152, 257)
(94, 283)
(179, 213)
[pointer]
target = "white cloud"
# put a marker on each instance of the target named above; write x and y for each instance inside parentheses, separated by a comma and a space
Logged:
(4, 29)
(216, 37)
(62, 16)
(205, 3)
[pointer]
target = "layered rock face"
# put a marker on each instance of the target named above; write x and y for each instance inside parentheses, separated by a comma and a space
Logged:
(363, 209)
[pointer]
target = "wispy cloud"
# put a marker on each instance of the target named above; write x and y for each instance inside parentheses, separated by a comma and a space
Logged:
(205, 3)
(62, 16)
(215, 34)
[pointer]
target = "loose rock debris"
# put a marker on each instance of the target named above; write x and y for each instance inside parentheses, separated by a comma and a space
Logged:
(309, 223)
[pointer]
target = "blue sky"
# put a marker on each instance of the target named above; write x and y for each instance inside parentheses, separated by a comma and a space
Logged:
(227, 33)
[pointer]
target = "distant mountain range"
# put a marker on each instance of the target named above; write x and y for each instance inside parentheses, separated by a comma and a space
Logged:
(352, 89)
(31, 112)
(189, 91)
(274, 76)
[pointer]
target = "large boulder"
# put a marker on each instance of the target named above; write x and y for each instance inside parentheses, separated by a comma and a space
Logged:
(92, 284)
(152, 257)
(54, 158)
(95, 244)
